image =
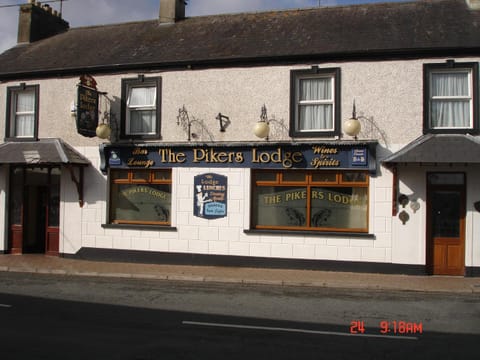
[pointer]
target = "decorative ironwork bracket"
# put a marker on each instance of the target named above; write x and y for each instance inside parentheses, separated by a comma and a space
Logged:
(78, 182)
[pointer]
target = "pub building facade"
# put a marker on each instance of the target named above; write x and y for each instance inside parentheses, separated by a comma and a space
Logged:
(270, 139)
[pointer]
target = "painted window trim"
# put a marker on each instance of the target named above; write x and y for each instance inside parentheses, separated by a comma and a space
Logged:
(112, 223)
(308, 183)
(313, 72)
(428, 69)
(138, 81)
(11, 91)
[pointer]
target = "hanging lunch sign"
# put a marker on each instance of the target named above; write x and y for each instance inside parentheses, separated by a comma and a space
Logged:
(87, 106)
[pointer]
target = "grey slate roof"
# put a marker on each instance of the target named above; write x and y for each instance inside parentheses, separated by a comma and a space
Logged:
(438, 149)
(42, 152)
(389, 29)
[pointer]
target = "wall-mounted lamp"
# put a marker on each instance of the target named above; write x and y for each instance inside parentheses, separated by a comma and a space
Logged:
(103, 130)
(262, 127)
(223, 120)
(352, 127)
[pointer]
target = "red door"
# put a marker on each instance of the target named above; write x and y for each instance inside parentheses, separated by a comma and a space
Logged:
(52, 233)
(34, 210)
(15, 211)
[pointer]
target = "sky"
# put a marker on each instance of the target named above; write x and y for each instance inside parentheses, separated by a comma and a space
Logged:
(97, 12)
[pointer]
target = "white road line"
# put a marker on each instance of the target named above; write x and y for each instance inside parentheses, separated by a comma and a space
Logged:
(5, 306)
(305, 331)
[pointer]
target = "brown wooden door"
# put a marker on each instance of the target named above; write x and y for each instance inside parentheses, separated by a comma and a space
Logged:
(446, 230)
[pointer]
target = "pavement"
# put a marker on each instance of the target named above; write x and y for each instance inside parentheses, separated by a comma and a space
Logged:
(42, 264)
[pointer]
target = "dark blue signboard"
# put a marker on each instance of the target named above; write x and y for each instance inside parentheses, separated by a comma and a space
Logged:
(334, 156)
(210, 199)
(87, 111)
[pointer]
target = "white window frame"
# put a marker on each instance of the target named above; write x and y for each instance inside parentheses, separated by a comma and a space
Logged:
(301, 103)
(128, 85)
(469, 98)
(142, 107)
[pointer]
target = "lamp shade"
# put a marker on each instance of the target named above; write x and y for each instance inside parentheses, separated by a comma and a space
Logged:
(352, 127)
(261, 129)
(103, 131)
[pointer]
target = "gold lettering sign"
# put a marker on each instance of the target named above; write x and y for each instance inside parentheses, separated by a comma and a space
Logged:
(287, 159)
(282, 156)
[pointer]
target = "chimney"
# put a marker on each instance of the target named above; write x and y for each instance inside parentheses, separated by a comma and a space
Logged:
(474, 4)
(36, 22)
(171, 11)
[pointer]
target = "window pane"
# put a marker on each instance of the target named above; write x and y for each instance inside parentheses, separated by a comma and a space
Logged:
(450, 84)
(450, 113)
(24, 125)
(142, 121)
(280, 206)
(142, 96)
(162, 175)
(316, 117)
(358, 177)
(25, 101)
(446, 213)
(446, 179)
(294, 176)
(141, 203)
(266, 176)
(141, 175)
(324, 177)
(339, 208)
(316, 89)
(119, 174)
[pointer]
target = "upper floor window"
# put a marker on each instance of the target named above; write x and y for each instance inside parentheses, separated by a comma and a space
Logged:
(451, 100)
(22, 112)
(315, 102)
(141, 107)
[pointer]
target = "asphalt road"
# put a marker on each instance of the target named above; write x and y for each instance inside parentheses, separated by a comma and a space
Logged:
(59, 317)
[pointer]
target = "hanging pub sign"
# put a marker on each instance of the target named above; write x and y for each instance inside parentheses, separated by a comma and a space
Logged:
(87, 106)
(210, 196)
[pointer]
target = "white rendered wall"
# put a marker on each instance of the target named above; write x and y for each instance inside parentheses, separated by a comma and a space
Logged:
(82, 227)
(388, 92)
(409, 240)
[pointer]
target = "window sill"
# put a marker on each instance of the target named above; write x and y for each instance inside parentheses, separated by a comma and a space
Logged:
(463, 131)
(139, 227)
(20, 139)
(314, 134)
(132, 137)
(309, 233)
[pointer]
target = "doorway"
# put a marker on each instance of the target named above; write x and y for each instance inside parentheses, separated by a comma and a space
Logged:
(446, 223)
(34, 210)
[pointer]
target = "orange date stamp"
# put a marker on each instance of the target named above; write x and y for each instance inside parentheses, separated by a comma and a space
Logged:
(389, 327)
